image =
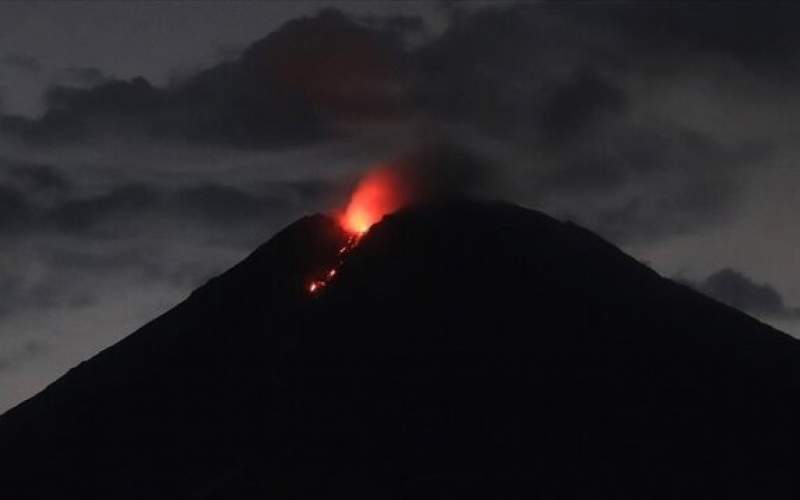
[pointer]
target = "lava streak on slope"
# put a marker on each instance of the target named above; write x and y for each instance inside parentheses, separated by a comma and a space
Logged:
(322, 282)
(377, 194)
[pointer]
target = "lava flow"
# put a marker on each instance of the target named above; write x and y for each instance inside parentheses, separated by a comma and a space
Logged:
(376, 195)
(322, 282)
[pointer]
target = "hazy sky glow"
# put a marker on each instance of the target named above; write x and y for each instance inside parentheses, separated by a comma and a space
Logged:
(146, 146)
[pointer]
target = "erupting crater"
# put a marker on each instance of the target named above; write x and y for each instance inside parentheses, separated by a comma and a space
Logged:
(377, 194)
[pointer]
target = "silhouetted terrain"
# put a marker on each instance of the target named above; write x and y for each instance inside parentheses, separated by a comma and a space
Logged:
(464, 350)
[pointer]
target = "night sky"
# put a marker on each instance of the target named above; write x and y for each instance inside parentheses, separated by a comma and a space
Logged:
(145, 147)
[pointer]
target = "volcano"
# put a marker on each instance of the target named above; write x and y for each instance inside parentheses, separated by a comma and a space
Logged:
(463, 350)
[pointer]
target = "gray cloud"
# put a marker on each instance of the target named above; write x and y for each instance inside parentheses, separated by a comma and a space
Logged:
(287, 89)
(84, 76)
(21, 62)
(28, 350)
(760, 38)
(21, 292)
(401, 24)
(15, 212)
(560, 85)
(537, 84)
(219, 205)
(740, 291)
(578, 105)
(36, 176)
(117, 211)
(85, 215)
(651, 182)
(546, 67)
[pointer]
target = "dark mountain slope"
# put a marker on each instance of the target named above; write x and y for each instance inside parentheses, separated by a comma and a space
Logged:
(464, 350)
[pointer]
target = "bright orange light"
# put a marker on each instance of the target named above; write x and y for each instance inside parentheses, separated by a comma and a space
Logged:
(376, 195)
(379, 193)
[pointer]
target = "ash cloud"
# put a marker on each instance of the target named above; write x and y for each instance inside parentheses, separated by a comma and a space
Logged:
(441, 170)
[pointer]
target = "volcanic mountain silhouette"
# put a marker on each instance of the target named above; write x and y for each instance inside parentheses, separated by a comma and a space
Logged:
(464, 350)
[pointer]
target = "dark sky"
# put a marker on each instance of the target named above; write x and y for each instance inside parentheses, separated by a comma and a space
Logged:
(146, 146)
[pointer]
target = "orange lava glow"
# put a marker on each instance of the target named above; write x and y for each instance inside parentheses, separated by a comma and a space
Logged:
(318, 284)
(376, 195)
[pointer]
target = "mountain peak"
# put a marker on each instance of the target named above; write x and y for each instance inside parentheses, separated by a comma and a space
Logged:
(461, 349)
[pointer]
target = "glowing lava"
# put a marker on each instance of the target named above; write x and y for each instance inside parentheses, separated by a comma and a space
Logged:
(376, 195)
(318, 284)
